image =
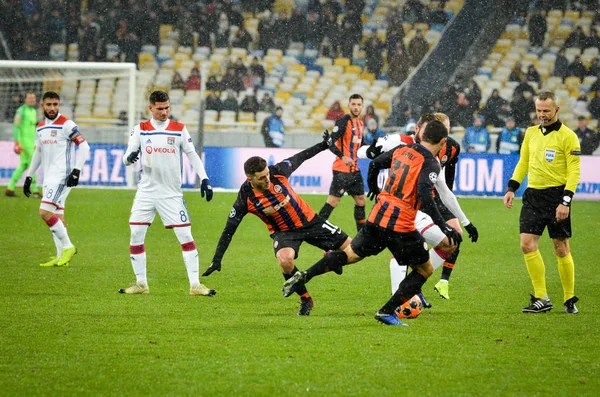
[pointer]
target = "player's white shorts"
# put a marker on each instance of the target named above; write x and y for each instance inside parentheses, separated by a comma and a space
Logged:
(429, 230)
(54, 198)
(172, 211)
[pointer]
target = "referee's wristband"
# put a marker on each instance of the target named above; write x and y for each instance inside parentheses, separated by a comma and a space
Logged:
(513, 186)
(566, 200)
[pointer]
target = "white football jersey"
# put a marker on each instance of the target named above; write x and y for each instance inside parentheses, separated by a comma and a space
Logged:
(56, 140)
(161, 145)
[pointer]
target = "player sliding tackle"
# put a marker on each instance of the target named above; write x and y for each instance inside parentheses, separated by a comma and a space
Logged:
(391, 223)
(268, 194)
(445, 200)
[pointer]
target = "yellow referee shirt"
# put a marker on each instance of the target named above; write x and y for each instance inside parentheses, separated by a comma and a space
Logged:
(551, 159)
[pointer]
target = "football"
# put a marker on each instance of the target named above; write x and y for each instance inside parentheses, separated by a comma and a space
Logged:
(411, 308)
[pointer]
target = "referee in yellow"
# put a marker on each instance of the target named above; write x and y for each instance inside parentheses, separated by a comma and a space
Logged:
(551, 156)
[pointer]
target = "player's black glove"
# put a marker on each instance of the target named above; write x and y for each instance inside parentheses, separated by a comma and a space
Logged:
(327, 139)
(373, 192)
(205, 188)
(27, 186)
(215, 265)
(373, 150)
(73, 178)
(454, 237)
(133, 156)
(473, 233)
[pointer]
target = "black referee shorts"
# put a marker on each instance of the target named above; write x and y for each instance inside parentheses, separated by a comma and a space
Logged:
(319, 233)
(539, 212)
(350, 182)
(408, 248)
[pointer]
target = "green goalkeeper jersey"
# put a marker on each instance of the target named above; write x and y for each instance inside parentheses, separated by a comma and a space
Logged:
(24, 126)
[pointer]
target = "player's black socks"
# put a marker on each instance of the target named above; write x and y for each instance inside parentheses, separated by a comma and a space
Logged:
(410, 286)
(333, 261)
(359, 216)
(326, 211)
(301, 289)
(447, 270)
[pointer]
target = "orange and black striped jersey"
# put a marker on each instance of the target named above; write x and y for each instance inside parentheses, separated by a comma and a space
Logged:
(347, 137)
(413, 172)
(448, 157)
(279, 207)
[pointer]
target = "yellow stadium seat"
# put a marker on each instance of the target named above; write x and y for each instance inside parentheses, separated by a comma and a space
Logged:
(342, 61)
(572, 84)
(246, 117)
(165, 30)
(367, 76)
(353, 69)
(283, 95)
(299, 67)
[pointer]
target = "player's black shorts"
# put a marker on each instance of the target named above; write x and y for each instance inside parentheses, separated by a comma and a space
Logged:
(539, 211)
(347, 182)
(408, 248)
(319, 232)
(446, 214)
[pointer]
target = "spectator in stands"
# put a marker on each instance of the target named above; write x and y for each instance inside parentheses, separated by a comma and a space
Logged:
(522, 106)
(193, 81)
(335, 112)
(414, 12)
(281, 31)
(132, 47)
(267, 104)
(230, 103)
(510, 139)
(109, 25)
(235, 16)
(533, 75)
(576, 68)
(394, 36)
(250, 103)
(177, 82)
(477, 137)
(298, 25)
(473, 94)
(417, 48)
(588, 138)
(204, 28)
(524, 86)
(186, 32)
(232, 81)
(577, 39)
(223, 31)
(370, 114)
(594, 107)
(516, 73)
(594, 69)
(593, 40)
(374, 58)
(439, 16)
(496, 109)
(314, 31)
(242, 39)
(399, 66)
(537, 29)
(266, 31)
(55, 27)
(240, 68)
(580, 106)
(212, 84)
(372, 132)
(273, 129)
(213, 102)
(331, 32)
(561, 65)
(447, 98)
(89, 39)
(461, 111)
(349, 37)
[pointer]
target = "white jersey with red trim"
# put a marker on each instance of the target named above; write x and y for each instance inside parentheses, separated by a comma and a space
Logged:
(387, 143)
(161, 145)
(55, 140)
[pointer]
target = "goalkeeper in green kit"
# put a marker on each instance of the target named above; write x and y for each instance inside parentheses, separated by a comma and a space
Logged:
(24, 133)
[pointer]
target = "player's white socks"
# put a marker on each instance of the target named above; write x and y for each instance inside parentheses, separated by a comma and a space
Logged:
(437, 260)
(397, 274)
(58, 245)
(59, 231)
(137, 253)
(189, 253)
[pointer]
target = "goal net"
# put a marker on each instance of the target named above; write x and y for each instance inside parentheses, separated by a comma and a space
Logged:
(90, 92)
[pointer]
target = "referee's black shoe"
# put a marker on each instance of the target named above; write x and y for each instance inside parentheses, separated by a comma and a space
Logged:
(538, 305)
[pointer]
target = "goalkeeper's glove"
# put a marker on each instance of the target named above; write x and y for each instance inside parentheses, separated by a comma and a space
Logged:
(373, 150)
(454, 237)
(327, 139)
(27, 186)
(17, 148)
(205, 188)
(215, 265)
(133, 157)
(473, 233)
(73, 178)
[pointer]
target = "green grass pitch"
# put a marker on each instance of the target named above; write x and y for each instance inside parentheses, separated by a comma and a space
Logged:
(66, 331)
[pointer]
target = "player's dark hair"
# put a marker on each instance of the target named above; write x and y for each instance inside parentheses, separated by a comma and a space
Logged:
(29, 93)
(426, 118)
(50, 95)
(355, 96)
(254, 164)
(434, 132)
(158, 96)
(544, 94)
